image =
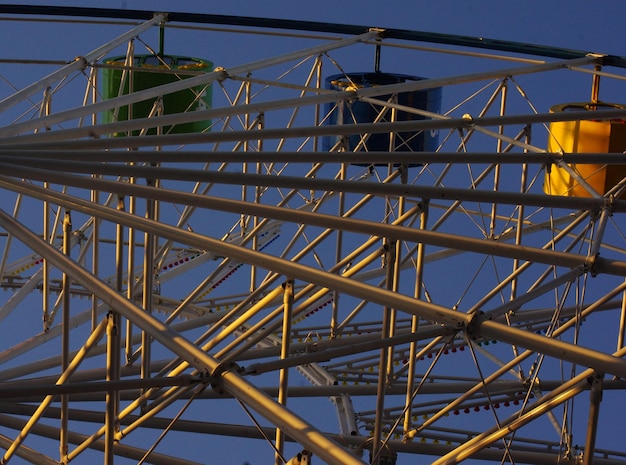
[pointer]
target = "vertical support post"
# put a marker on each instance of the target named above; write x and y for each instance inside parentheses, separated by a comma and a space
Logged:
(595, 86)
(95, 227)
(65, 336)
(419, 276)
(284, 372)
(130, 277)
(316, 116)
(257, 200)
(338, 255)
(95, 256)
(595, 397)
(519, 228)
(377, 57)
(244, 167)
(161, 39)
(152, 213)
(393, 265)
(112, 374)
(496, 175)
(44, 111)
(113, 348)
(148, 284)
(389, 257)
(622, 323)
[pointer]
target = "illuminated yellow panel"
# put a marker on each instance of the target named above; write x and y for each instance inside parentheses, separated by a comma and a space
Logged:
(585, 137)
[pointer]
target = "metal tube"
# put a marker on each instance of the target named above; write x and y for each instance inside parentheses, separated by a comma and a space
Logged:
(169, 88)
(128, 452)
(305, 433)
(518, 359)
(78, 64)
(383, 374)
(447, 123)
(130, 277)
(65, 333)
(338, 252)
(60, 170)
(573, 353)
(595, 397)
(419, 273)
(595, 88)
(496, 175)
(111, 407)
(148, 285)
(367, 227)
(95, 255)
(622, 322)
(283, 382)
(426, 310)
(43, 405)
(42, 156)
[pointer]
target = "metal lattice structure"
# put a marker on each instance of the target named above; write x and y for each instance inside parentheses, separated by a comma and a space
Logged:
(287, 276)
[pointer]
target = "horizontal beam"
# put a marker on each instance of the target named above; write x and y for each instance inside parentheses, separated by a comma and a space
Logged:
(21, 389)
(13, 143)
(122, 450)
(452, 241)
(529, 451)
(295, 182)
(372, 157)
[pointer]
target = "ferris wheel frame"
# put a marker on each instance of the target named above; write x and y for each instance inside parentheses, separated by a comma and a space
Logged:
(65, 156)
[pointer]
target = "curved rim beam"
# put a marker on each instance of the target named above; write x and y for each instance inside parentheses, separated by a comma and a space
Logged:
(312, 26)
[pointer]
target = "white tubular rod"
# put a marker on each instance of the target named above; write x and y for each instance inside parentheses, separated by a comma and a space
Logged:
(293, 426)
(286, 156)
(597, 360)
(553, 347)
(78, 64)
(155, 92)
(61, 168)
(347, 224)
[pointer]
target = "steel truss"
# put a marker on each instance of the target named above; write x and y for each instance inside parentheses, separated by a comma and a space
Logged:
(173, 295)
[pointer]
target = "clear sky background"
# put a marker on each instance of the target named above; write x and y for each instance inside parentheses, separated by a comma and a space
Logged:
(595, 26)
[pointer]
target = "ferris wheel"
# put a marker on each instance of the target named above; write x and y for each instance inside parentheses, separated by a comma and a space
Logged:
(360, 245)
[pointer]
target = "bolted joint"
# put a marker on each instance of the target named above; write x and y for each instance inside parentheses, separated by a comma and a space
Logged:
(382, 33)
(473, 327)
(468, 120)
(216, 375)
(222, 72)
(595, 384)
